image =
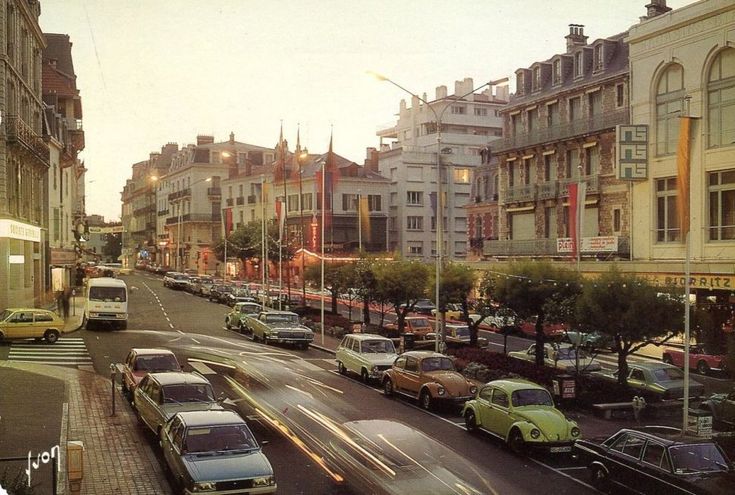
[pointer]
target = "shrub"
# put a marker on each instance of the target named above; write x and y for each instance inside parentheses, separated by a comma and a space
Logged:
(496, 361)
(484, 374)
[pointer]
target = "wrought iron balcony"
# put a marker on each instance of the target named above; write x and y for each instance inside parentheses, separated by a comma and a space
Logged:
(515, 194)
(547, 190)
(476, 242)
(163, 213)
(252, 199)
(546, 247)
(229, 201)
(179, 194)
(240, 200)
(18, 132)
(575, 128)
(214, 191)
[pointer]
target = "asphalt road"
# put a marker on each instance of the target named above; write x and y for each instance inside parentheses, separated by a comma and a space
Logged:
(297, 402)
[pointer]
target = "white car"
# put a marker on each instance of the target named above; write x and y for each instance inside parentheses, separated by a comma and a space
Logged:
(365, 354)
(562, 357)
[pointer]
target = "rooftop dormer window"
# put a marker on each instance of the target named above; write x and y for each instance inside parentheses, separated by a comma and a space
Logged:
(556, 72)
(578, 64)
(536, 78)
(519, 83)
(599, 60)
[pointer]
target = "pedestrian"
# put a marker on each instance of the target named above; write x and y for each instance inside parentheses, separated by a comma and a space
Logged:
(65, 300)
(60, 302)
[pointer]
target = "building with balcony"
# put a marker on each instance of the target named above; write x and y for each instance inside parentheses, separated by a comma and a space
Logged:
(683, 63)
(482, 210)
(559, 129)
(24, 157)
(64, 182)
(407, 158)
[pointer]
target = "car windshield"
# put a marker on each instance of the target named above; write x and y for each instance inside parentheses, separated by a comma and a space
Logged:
(462, 331)
(437, 363)
(668, 374)
(187, 392)
(181, 277)
(165, 362)
(107, 294)
(569, 353)
(420, 322)
(4, 315)
(378, 346)
(697, 458)
(291, 318)
(218, 439)
(531, 397)
(249, 308)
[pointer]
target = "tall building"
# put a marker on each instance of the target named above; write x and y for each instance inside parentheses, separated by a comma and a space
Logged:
(64, 134)
(683, 64)
(24, 157)
(482, 210)
(559, 135)
(409, 162)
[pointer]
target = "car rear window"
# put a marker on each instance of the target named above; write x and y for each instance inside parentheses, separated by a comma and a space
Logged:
(157, 363)
(668, 374)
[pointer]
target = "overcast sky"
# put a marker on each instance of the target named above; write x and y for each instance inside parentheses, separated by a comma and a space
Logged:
(158, 71)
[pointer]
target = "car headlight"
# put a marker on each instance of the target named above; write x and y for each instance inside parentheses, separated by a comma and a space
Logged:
(204, 486)
(473, 390)
(264, 481)
(535, 433)
(440, 390)
(575, 431)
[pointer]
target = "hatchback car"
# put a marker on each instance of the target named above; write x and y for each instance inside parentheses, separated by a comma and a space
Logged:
(429, 377)
(24, 323)
(159, 396)
(140, 362)
(522, 414)
(365, 354)
(655, 380)
(215, 451)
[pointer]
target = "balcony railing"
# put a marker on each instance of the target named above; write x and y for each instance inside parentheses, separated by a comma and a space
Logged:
(163, 213)
(549, 190)
(546, 247)
(592, 181)
(580, 127)
(195, 217)
(240, 200)
(214, 191)
(17, 131)
(229, 201)
(252, 199)
(526, 192)
(179, 194)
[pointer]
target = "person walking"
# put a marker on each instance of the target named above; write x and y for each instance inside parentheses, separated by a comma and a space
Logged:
(65, 301)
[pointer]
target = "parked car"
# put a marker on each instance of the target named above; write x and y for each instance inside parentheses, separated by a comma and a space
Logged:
(159, 396)
(699, 359)
(522, 414)
(458, 334)
(419, 326)
(24, 323)
(429, 377)
(527, 328)
(191, 287)
(281, 327)
(454, 311)
(180, 281)
(391, 458)
(655, 380)
(366, 355)
(563, 357)
(423, 307)
(657, 460)
(239, 294)
(219, 293)
(215, 450)
(168, 279)
(204, 286)
(139, 362)
(591, 341)
(236, 317)
(722, 407)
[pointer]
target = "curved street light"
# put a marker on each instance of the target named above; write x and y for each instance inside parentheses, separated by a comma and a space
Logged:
(439, 198)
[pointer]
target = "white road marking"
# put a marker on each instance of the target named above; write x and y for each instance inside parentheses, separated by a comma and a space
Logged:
(171, 325)
(202, 368)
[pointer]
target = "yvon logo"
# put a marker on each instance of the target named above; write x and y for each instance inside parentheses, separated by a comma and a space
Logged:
(2, 491)
(43, 458)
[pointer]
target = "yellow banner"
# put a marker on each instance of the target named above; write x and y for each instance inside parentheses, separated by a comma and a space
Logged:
(365, 218)
(696, 280)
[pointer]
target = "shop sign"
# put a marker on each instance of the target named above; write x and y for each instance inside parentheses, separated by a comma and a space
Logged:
(696, 280)
(601, 244)
(63, 257)
(19, 230)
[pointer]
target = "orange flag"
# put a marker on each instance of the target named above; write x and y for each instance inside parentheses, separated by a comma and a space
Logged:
(682, 179)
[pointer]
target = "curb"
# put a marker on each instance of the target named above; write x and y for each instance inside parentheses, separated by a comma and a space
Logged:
(323, 349)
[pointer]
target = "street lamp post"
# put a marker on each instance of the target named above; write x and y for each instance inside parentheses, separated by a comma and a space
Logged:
(179, 225)
(299, 156)
(439, 193)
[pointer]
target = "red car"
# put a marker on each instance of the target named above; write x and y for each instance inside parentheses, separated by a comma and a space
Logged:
(140, 362)
(700, 360)
(528, 328)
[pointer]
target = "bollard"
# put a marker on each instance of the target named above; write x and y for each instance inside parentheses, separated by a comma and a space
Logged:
(75, 465)
(112, 379)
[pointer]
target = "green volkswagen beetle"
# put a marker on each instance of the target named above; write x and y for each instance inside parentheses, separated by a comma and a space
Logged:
(522, 414)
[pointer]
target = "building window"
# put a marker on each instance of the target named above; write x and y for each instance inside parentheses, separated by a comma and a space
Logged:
(478, 227)
(532, 117)
(293, 202)
(481, 112)
(458, 109)
(306, 200)
(572, 164)
(349, 202)
(575, 108)
(578, 64)
(515, 124)
(667, 222)
(552, 115)
(461, 176)
(548, 167)
(240, 189)
(595, 103)
(519, 83)
(527, 171)
(722, 205)
(415, 198)
(375, 202)
(536, 78)
(592, 160)
(619, 95)
(617, 220)
(414, 223)
(415, 248)
(669, 96)
(549, 219)
(599, 61)
(444, 224)
(721, 99)
(229, 192)
(511, 175)
(556, 72)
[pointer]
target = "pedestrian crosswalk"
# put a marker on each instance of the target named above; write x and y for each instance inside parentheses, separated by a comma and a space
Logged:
(67, 351)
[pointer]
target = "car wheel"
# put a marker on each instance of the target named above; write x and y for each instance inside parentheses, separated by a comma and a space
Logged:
(516, 442)
(388, 388)
(425, 400)
(470, 422)
(667, 359)
(51, 336)
(599, 477)
(702, 368)
(241, 328)
(341, 368)
(365, 376)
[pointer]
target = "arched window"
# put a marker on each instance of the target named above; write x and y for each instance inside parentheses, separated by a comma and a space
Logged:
(669, 96)
(478, 227)
(721, 98)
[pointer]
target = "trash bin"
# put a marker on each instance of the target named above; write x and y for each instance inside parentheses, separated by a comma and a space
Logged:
(700, 423)
(408, 340)
(565, 387)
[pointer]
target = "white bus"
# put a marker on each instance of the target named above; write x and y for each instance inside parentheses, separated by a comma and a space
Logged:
(106, 301)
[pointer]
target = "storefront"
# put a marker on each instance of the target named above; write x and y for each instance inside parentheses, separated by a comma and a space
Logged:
(62, 267)
(21, 263)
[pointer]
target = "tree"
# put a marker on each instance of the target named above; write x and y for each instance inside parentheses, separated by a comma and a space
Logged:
(334, 279)
(631, 311)
(366, 285)
(350, 279)
(457, 282)
(113, 247)
(537, 289)
(402, 284)
(246, 242)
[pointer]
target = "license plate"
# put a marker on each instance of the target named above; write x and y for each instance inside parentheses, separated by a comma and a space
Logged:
(555, 450)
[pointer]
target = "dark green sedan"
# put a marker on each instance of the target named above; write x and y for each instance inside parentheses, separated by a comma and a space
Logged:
(215, 452)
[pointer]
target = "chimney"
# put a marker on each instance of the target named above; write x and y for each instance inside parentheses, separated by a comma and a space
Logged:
(203, 139)
(441, 92)
(170, 147)
(371, 159)
(232, 138)
(656, 8)
(575, 37)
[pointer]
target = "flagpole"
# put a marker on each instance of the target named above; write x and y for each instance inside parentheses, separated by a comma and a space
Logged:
(321, 294)
(684, 186)
(264, 250)
(359, 220)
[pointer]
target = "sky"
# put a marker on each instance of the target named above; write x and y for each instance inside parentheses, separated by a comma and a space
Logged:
(152, 72)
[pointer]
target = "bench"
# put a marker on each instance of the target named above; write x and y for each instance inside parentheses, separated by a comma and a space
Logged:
(608, 409)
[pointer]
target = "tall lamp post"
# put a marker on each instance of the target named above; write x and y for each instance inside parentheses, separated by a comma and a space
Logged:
(299, 156)
(439, 196)
(179, 225)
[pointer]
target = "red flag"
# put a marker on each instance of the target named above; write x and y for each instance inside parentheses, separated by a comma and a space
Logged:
(228, 221)
(280, 210)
